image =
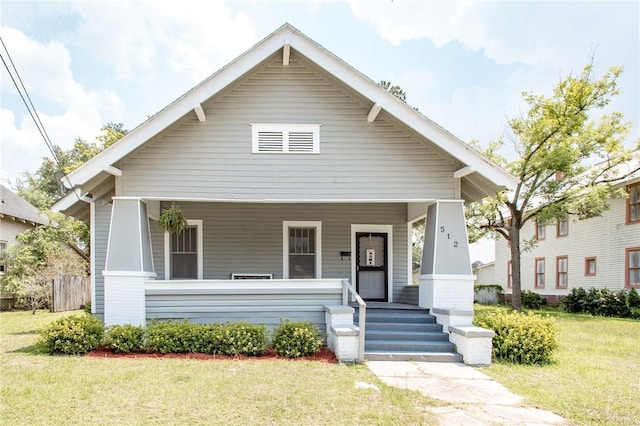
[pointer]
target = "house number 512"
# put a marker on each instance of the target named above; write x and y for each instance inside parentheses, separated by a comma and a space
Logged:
(443, 230)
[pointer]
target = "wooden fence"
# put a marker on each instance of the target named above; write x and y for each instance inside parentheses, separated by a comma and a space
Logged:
(70, 292)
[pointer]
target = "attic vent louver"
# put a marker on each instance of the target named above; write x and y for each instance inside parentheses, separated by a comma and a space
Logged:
(286, 138)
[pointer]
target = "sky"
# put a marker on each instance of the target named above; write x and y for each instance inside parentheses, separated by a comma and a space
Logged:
(463, 64)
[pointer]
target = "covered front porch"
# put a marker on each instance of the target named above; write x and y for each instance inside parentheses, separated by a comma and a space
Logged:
(228, 246)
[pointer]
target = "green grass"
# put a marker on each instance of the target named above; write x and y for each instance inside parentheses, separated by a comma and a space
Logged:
(595, 378)
(58, 390)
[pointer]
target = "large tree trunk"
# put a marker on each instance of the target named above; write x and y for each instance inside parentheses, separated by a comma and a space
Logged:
(516, 293)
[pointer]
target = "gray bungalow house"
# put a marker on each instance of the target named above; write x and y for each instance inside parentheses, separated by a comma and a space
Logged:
(300, 178)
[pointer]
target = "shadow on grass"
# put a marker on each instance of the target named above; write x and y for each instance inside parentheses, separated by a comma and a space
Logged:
(34, 349)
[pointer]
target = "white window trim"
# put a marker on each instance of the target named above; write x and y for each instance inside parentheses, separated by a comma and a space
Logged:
(285, 245)
(167, 249)
(388, 229)
(256, 128)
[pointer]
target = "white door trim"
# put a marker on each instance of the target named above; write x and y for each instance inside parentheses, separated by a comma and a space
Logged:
(384, 229)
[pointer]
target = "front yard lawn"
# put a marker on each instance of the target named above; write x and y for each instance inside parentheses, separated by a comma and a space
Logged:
(595, 379)
(58, 390)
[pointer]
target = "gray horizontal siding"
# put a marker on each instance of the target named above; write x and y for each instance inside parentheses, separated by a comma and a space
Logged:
(247, 238)
(357, 159)
(262, 306)
(102, 222)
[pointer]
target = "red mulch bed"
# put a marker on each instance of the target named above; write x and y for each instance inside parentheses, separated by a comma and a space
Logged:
(324, 356)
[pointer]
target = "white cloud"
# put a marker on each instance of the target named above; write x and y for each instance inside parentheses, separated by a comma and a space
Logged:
(66, 108)
(508, 32)
(193, 38)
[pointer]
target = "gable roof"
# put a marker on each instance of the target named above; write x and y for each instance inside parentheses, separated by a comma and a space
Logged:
(15, 208)
(287, 37)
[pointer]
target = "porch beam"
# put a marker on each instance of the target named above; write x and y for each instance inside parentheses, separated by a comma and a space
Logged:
(373, 113)
(197, 108)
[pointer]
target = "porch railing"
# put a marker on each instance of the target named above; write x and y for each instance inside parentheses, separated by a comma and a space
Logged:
(347, 290)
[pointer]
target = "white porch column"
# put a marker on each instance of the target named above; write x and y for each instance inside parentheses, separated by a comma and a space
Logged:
(129, 263)
(446, 281)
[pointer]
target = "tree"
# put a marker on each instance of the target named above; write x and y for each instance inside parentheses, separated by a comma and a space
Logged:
(44, 187)
(568, 163)
(41, 253)
(394, 90)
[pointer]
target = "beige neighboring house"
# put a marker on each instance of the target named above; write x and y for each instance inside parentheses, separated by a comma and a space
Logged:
(601, 252)
(16, 216)
(485, 273)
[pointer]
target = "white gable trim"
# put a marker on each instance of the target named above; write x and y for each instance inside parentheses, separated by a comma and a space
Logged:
(288, 35)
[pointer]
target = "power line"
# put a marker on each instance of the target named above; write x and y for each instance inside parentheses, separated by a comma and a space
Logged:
(33, 112)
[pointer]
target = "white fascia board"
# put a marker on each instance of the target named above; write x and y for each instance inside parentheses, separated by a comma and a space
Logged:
(67, 201)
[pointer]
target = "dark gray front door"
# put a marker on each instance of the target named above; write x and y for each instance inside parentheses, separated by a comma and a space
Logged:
(371, 266)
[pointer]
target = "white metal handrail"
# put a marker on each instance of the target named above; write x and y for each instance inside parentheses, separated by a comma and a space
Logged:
(347, 289)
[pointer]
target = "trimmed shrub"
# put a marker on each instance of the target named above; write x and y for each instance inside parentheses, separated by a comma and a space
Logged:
(601, 302)
(167, 337)
(225, 339)
(72, 335)
(532, 300)
(124, 338)
(633, 299)
(294, 339)
(487, 294)
(242, 338)
(521, 338)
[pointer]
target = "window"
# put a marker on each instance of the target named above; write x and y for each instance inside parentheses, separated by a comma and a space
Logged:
(3, 251)
(633, 203)
(509, 275)
(183, 253)
(285, 138)
(632, 267)
(302, 244)
(562, 227)
(562, 271)
(590, 266)
(540, 231)
(539, 278)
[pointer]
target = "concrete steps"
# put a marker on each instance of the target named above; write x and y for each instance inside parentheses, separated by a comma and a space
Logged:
(406, 334)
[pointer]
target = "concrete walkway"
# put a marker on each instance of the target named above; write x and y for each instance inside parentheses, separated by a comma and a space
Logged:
(474, 398)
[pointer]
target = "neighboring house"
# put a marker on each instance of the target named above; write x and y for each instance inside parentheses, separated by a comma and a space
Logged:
(16, 216)
(292, 166)
(485, 273)
(601, 252)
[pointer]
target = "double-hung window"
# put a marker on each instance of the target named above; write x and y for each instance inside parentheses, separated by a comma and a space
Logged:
(302, 249)
(562, 272)
(562, 227)
(3, 249)
(633, 204)
(183, 252)
(509, 274)
(540, 270)
(540, 231)
(632, 267)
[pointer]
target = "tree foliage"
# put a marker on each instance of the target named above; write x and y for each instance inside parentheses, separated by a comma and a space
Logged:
(395, 90)
(568, 162)
(44, 187)
(41, 253)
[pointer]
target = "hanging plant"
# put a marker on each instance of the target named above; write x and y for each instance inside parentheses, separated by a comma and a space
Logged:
(172, 219)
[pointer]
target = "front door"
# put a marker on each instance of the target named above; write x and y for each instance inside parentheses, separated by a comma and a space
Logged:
(371, 266)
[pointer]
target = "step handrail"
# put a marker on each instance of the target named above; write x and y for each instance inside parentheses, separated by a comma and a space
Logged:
(347, 289)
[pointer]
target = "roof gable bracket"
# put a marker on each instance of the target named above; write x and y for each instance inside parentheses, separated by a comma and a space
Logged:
(112, 170)
(460, 173)
(373, 113)
(197, 108)
(286, 53)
